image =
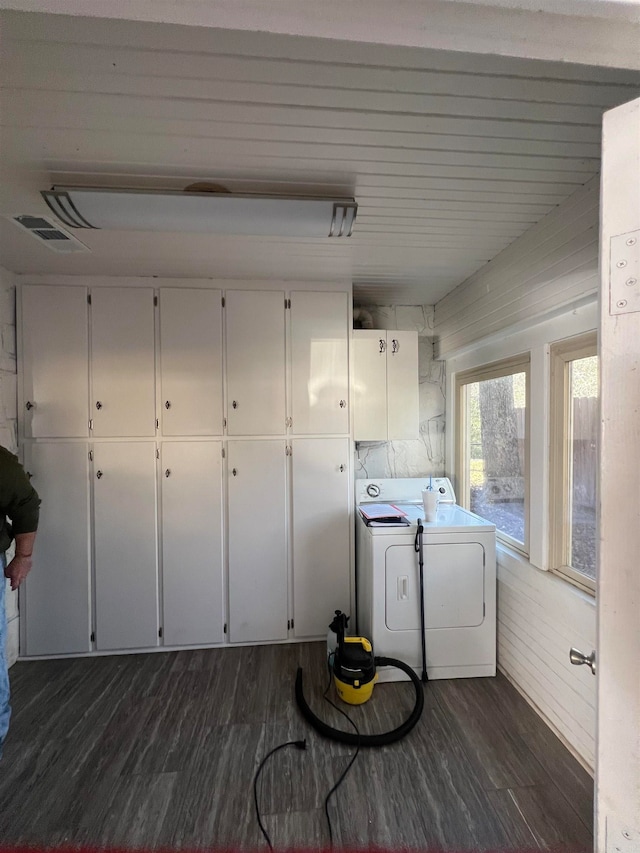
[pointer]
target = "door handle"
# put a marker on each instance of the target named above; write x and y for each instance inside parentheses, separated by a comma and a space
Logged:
(98, 474)
(578, 658)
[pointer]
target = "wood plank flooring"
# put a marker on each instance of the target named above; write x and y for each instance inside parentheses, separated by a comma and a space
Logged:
(160, 750)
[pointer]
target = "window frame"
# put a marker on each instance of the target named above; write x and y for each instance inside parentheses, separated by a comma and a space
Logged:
(520, 363)
(561, 354)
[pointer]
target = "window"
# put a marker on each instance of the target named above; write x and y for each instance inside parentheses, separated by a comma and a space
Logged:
(574, 460)
(493, 452)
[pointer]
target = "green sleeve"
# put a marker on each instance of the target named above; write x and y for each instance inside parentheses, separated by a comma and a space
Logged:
(23, 504)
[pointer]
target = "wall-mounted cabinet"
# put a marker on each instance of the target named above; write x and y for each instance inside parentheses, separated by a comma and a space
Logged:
(172, 516)
(385, 385)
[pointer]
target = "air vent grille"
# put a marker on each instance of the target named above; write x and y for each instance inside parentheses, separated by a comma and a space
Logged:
(50, 233)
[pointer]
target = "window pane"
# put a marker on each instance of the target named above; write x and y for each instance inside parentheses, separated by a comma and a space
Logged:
(583, 432)
(496, 447)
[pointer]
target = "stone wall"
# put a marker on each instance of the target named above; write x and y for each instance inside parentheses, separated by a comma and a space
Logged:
(423, 456)
(9, 422)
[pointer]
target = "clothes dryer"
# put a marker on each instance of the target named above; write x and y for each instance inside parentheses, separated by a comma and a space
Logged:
(459, 582)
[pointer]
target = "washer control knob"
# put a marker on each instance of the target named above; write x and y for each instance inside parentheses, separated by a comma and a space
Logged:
(442, 490)
(373, 490)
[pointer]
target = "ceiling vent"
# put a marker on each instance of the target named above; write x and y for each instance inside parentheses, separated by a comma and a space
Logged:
(49, 233)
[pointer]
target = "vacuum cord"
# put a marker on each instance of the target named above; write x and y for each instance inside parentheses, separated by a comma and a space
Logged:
(353, 757)
(299, 744)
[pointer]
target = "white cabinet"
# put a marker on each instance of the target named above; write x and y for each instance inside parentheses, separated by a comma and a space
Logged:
(54, 600)
(319, 362)
(258, 570)
(123, 362)
(191, 361)
(192, 570)
(55, 361)
(321, 533)
(255, 331)
(125, 544)
(385, 385)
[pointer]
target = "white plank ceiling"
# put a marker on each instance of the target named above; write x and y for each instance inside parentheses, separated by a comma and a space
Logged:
(451, 156)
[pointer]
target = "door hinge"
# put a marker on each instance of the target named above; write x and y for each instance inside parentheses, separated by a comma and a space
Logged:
(223, 453)
(88, 299)
(93, 636)
(288, 624)
(160, 632)
(157, 453)
(91, 456)
(223, 304)
(484, 558)
(484, 609)
(155, 300)
(224, 423)
(90, 423)
(287, 304)
(225, 628)
(157, 424)
(292, 623)
(288, 451)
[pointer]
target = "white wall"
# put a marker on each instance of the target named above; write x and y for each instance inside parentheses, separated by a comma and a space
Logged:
(425, 455)
(8, 420)
(553, 267)
(541, 289)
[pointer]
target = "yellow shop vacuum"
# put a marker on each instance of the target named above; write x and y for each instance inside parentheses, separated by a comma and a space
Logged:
(354, 666)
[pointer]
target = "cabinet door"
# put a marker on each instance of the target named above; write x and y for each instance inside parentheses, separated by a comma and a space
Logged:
(369, 385)
(55, 597)
(402, 385)
(255, 362)
(55, 361)
(123, 369)
(191, 361)
(124, 494)
(192, 543)
(321, 533)
(319, 362)
(257, 541)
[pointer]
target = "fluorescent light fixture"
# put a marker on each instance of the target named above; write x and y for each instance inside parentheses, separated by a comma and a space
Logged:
(204, 213)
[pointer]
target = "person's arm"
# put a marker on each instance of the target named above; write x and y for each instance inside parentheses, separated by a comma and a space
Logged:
(20, 566)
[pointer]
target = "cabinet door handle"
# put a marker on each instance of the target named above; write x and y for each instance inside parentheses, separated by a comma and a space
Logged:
(98, 474)
(343, 404)
(234, 471)
(235, 404)
(167, 405)
(395, 346)
(342, 469)
(167, 473)
(383, 344)
(98, 405)
(29, 405)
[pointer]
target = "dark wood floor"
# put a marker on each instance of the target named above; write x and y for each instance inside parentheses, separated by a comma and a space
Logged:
(160, 750)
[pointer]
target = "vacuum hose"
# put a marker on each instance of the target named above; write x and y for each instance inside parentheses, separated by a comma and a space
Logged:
(352, 738)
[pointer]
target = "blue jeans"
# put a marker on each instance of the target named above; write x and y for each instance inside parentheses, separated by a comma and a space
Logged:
(5, 707)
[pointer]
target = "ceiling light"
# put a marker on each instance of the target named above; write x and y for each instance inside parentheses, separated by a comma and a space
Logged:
(205, 213)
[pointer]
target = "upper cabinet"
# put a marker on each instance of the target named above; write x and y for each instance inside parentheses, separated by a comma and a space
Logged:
(319, 363)
(385, 385)
(123, 362)
(55, 361)
(255, 331)
(191, 361)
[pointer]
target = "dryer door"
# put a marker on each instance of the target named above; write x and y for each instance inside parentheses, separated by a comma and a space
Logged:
(453, 586)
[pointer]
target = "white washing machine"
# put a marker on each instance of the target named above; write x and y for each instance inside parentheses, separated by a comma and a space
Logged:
(459, 582)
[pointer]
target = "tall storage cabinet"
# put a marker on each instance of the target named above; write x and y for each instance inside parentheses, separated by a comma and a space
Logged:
(55, 602)
(192, 449)
(125, 543)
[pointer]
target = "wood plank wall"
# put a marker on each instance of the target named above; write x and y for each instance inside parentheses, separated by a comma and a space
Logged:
(553, 265)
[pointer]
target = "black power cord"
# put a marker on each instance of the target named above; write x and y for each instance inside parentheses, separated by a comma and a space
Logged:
(299, 744)
(353, 757)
